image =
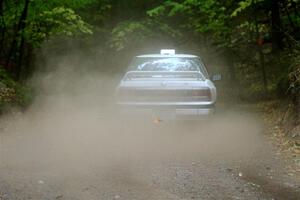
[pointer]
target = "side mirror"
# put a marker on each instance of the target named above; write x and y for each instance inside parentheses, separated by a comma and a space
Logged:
(216, 77)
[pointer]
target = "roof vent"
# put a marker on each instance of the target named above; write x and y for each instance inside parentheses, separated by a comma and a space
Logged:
(167, 51)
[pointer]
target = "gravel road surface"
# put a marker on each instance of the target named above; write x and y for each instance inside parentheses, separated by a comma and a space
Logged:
(85, 155)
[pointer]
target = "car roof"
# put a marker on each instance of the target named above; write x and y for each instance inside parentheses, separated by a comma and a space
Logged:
(167, 56)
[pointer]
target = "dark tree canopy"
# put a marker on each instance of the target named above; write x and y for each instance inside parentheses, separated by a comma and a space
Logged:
(257, 39)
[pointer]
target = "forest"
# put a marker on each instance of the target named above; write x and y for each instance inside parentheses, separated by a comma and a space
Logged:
(62, 131)
(254, 44)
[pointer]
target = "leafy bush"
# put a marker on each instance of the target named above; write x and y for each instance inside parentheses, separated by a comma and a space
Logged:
(55, 22)
(294, 76)
(13, 94)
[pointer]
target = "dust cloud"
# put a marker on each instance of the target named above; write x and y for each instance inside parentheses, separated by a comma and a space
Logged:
(74, 130)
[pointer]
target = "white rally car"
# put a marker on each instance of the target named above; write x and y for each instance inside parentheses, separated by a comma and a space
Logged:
(167, 85)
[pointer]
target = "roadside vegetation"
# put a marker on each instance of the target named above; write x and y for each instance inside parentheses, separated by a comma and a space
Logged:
(255, 44)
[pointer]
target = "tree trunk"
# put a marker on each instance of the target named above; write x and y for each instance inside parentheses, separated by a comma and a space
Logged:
(261, 54)
(231, 67)
(295, 8)
(27, 61)
(2, 28)
(1, 12)
(18, 69)
(21, 48)
(19, 35)
(290, 19)
(277, 35)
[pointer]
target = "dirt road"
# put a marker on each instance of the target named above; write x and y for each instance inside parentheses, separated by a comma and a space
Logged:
(86, 155)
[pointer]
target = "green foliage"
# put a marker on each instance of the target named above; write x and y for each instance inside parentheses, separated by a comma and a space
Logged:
(134, 33)
(128, 33)
(58, 21)
(243, 28)
(207, 18)
(242, 6)
(45, 20)
(171, 7)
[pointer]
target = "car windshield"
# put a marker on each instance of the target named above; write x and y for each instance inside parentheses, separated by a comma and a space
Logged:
(169, 64)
